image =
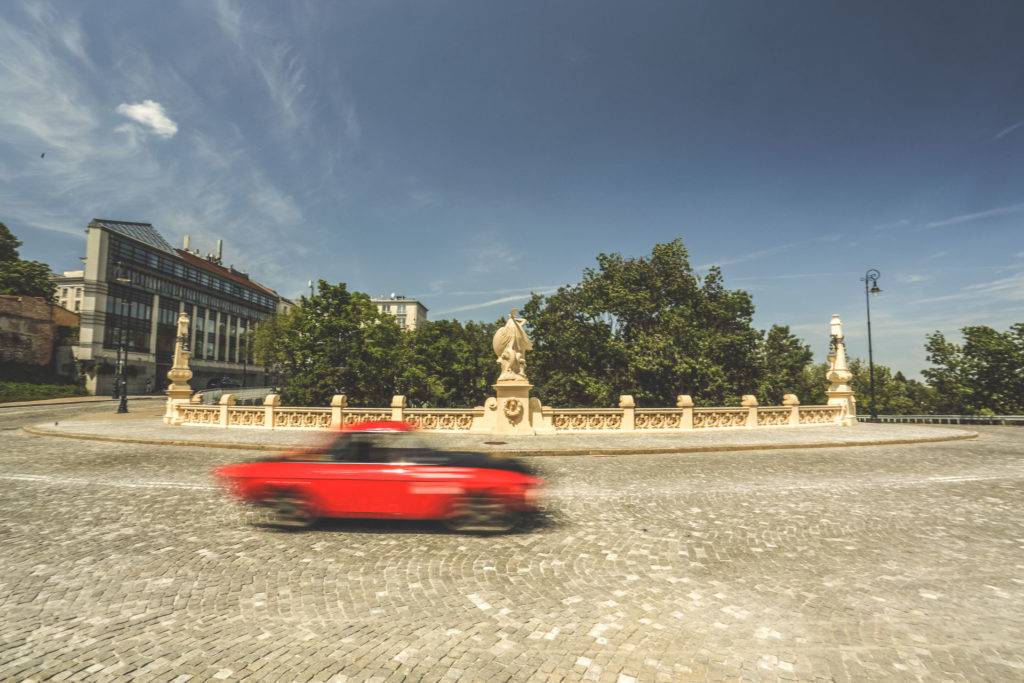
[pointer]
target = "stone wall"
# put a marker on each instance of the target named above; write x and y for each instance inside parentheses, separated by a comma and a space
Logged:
(29, 329)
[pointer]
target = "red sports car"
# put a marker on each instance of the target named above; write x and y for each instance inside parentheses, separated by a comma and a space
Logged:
(382, 470)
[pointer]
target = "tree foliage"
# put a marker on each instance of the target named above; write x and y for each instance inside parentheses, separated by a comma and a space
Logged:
(983, 375)
(446, 364)
(652, 328)
(25, 278)
(335, 342)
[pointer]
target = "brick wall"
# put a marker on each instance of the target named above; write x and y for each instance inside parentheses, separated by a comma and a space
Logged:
(28, 328)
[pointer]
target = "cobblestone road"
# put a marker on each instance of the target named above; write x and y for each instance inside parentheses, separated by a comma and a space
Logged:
(871, 563)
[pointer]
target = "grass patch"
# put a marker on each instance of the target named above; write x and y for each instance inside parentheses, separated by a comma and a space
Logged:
(11, 392)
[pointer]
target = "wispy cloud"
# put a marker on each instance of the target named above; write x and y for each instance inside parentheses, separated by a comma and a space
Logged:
(522, 298)
(891, 226)
(281, 68)
(1008, 130)
(770, 251)
(152, 115)
(489, 255)
(968, 217)
(1004, 289)
(911, 278)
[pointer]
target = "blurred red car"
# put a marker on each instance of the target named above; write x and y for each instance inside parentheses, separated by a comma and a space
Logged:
(382, 470)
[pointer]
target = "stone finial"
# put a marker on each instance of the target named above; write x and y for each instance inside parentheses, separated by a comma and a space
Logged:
(790, 400)
(626, 401)
(272, 400)
(748, 401)
(684, 401)
(398, 401)
(339, 401)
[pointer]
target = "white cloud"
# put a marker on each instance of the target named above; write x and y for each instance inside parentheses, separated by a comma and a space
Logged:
(1000, 211)
(891, 226)
(911, 278)
(1008, 129)
(151, 114)
(770, 251)
(523, 298)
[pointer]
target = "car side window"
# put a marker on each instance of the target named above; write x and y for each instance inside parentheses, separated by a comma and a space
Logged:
(361, 448)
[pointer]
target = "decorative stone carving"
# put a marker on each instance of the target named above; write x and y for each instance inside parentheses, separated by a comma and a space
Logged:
(511, 343)
(839, 392)
(179, 391)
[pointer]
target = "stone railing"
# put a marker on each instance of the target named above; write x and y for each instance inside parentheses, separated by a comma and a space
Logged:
(625, 418)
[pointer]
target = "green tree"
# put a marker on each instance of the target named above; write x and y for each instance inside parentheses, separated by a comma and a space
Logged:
(783, 358)
(26, 278)
(984, 374)
(446, 364)
(894, 393)
(333, 342)
(649, 327)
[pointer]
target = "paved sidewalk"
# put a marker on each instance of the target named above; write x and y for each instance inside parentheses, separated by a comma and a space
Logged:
(145, 426)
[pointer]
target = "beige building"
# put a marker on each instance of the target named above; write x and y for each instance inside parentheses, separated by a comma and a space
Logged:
(409, 313)
(70, 289)
(135, 285)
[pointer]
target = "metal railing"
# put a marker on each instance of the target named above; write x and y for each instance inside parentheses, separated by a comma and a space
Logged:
(950, 419)
(247, 396)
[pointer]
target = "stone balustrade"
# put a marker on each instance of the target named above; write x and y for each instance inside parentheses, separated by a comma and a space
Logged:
(626, 418)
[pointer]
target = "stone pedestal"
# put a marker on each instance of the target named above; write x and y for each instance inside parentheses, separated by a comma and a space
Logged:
(839, 392)
(179, 392)
(512, 411)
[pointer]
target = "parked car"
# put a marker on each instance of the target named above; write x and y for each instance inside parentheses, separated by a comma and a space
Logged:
(223, 383)
(383, 470)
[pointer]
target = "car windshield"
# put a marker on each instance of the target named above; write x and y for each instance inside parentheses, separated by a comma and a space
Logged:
(377, 446)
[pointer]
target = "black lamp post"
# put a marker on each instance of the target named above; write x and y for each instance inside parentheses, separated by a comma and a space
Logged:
(124, 277)
(872, 277)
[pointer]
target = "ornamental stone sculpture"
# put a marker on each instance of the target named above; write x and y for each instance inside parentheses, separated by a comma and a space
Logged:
(511, 343)
(180, 373)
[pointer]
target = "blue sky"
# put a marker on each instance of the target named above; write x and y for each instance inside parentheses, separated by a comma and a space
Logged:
(468, 153)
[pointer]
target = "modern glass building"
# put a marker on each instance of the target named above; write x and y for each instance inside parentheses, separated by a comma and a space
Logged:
(135, 285)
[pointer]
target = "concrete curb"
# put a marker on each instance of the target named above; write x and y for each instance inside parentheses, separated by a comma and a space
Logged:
(79, 400)
(36, 431)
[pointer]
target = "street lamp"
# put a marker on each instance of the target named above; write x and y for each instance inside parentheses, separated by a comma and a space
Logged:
(872, 277)
(124, 277)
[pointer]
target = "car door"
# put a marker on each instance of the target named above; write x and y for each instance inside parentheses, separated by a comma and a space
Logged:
(360, 480)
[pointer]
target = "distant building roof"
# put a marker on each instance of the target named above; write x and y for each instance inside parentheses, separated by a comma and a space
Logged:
(229, 273)
(142, 232)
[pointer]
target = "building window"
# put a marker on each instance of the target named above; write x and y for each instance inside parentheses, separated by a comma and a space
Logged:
(401, 309)
(401, 321)
(385, 308)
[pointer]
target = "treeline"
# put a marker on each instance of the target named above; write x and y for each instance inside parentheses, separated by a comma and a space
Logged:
(650, 327)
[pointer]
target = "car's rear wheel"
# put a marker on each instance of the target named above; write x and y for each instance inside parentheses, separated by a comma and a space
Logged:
(481, 514)
(292, 510)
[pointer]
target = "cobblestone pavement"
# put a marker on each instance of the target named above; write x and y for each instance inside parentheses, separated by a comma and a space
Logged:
(887, 563)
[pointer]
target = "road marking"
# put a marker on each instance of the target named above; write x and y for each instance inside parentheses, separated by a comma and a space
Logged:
(46, 479)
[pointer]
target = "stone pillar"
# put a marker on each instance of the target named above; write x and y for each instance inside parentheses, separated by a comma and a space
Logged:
(510, 411)
(749, 401)
(179, 392)
(685, 403)
(839, 392)
(269, 403)
(398, 408)
(338, 405)
(794, 408)
(628, 406)
(225, 401)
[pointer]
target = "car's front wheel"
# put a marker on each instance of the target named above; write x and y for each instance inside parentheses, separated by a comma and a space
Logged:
(292, 510)
(481, 514)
